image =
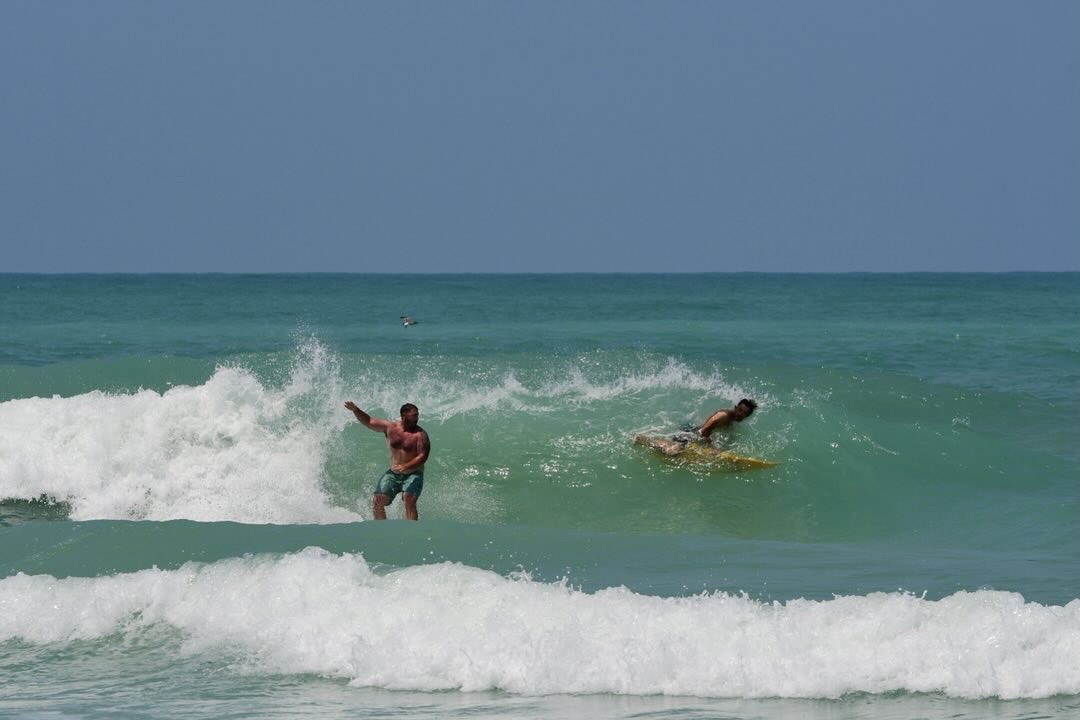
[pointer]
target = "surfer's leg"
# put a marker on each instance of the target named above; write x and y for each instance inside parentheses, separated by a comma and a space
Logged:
(378, 508)
(670, 447)
(414, 485)
(662, 445)
(386, 490)
(410, 506)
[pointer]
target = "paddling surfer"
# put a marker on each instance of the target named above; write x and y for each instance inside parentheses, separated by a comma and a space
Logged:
(721, 418)
(409, 449)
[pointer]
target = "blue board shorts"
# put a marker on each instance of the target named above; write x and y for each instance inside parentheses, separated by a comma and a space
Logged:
(392, 483)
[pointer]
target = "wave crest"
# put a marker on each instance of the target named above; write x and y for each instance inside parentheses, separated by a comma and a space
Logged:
(458, 627)
(230, 449)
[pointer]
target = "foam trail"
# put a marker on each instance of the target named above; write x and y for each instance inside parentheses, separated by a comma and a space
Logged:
(449, 626)
(578, 382)
(230, 449)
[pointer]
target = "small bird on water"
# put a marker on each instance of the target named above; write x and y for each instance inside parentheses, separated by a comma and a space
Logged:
(406, 320)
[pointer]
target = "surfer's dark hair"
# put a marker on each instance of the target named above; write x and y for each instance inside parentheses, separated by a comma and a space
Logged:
(406, 407)
(748, 403)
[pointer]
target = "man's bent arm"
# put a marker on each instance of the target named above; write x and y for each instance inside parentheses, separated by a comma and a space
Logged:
(417, 462)
(717, 419)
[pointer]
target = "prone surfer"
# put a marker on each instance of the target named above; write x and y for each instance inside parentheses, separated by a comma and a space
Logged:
(703, 433)
(409, 449)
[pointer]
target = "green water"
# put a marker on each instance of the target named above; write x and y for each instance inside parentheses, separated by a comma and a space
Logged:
(925, 427)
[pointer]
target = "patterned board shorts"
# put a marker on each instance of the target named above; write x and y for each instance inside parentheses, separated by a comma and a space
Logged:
(392, 483)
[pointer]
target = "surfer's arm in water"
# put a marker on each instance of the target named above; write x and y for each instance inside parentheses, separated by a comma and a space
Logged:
(723, 418)
(371, 423)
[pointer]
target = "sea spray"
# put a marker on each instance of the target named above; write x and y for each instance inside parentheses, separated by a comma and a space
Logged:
(230, 449)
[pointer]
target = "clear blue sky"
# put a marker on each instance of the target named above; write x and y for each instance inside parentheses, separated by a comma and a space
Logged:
(442, 136)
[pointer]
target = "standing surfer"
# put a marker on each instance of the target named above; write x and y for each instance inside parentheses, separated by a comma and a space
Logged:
(409, 449)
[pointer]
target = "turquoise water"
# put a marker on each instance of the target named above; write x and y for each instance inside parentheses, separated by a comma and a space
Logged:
(184, 500)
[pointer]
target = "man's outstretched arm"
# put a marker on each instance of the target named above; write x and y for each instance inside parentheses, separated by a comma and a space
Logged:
(371, 423)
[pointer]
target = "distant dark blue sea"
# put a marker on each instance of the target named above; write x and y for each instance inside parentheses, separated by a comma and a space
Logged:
(185, 504)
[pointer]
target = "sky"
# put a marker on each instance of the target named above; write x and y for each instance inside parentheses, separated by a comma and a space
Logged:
(564, 136)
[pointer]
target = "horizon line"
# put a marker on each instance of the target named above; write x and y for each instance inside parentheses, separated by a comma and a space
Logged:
(535, 273)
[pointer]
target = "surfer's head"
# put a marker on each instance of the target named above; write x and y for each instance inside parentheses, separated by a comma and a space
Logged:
(743, 409)
(410, 415)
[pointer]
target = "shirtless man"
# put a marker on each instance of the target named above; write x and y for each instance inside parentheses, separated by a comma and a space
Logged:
(409, 450)
(678, 442)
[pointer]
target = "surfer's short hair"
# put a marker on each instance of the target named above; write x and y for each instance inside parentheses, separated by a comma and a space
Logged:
(748, 403)
(407, 407)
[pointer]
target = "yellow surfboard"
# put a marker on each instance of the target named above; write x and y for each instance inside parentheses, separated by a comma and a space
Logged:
(702, 456)
(721, 459)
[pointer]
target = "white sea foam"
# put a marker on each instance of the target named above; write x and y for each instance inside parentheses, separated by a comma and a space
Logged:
(449, 626)
(674, 374)
(230, 449)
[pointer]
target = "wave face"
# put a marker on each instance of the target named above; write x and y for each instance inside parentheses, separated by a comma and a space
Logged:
(546, 441)
(184, 496)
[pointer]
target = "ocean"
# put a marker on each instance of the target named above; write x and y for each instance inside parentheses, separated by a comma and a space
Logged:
(185, 504)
